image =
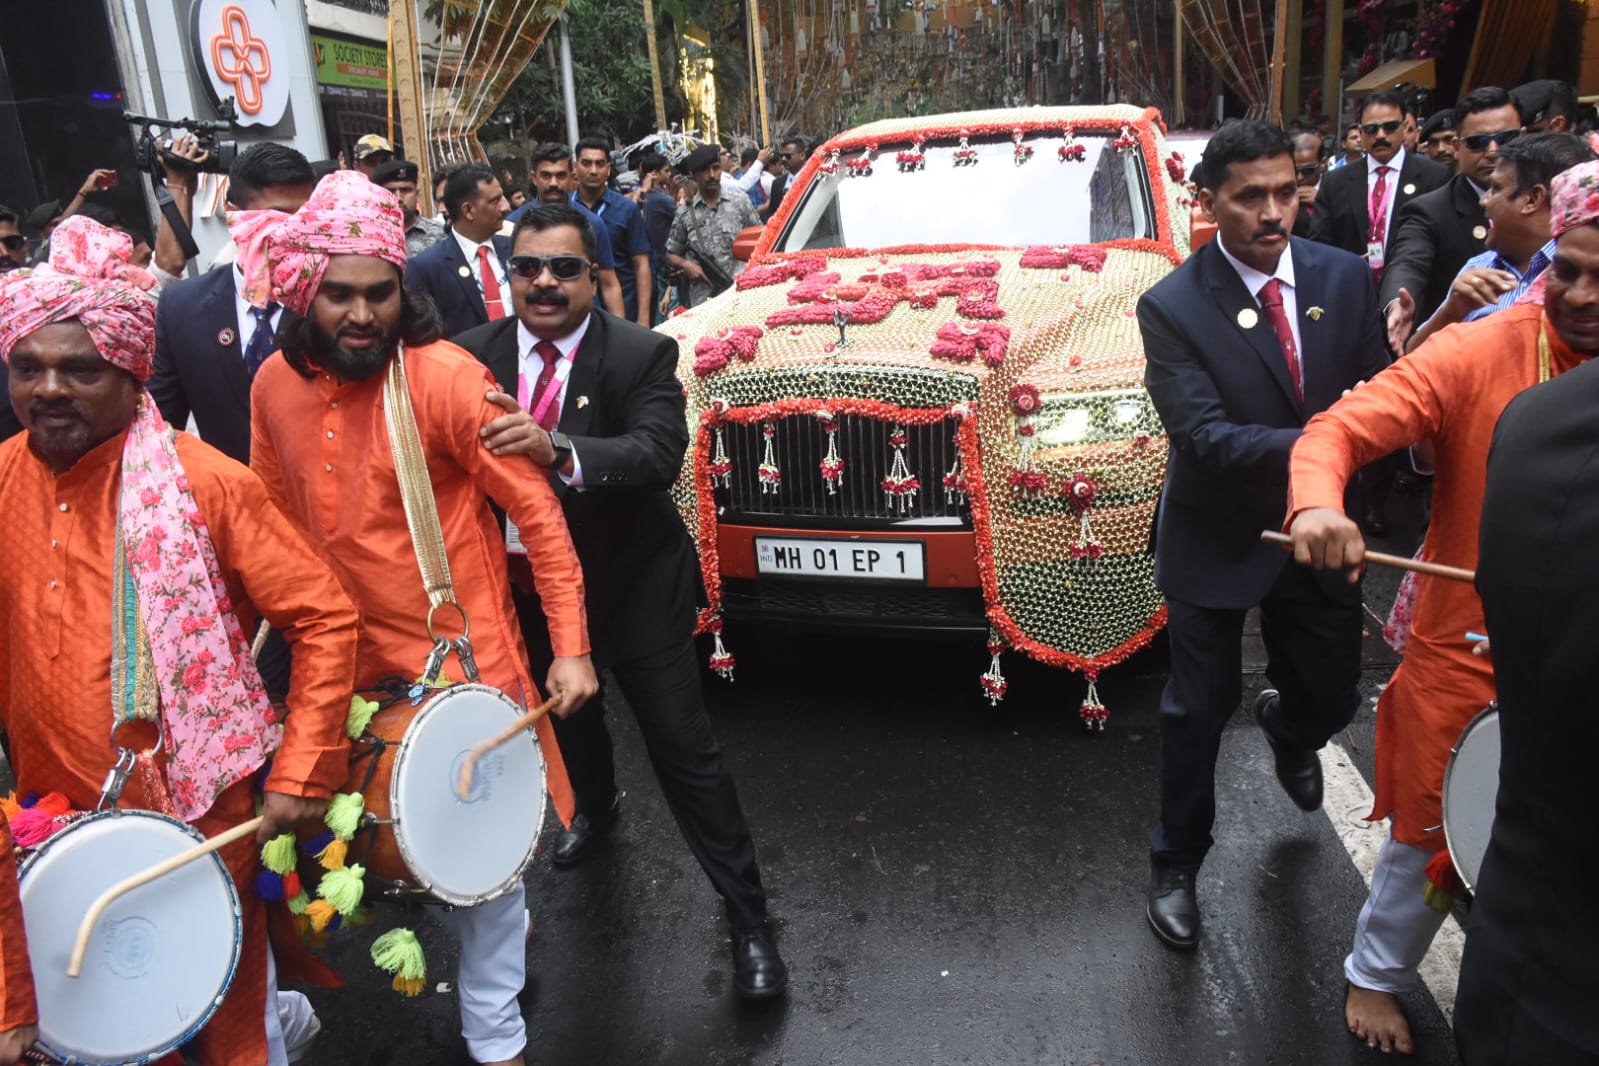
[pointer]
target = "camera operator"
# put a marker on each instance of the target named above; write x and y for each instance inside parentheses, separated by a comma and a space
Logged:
(181, 161)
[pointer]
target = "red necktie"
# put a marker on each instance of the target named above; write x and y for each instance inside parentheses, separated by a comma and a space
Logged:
(1379, 204)
(551, 355)
(489, 271)
(1271, 301)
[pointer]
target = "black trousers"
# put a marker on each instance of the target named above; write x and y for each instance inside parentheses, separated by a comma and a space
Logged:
(663, 689)
(1313, 660)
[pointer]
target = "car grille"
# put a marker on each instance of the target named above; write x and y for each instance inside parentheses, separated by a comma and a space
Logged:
(799, 444)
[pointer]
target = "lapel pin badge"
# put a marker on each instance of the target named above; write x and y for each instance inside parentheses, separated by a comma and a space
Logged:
(1480, 232)
(465, 272)
(1247, 318)
(225, 337)
(1315, 314)
(1410, 189)
(582, 402)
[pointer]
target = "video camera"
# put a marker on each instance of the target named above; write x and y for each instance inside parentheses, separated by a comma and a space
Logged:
(149, 151)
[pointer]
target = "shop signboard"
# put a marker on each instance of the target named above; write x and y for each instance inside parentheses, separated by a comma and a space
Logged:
(242, 50)
(352, 64)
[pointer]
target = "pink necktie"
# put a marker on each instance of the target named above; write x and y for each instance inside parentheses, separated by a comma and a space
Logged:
(528, 394)
(1271, 301)
(1379, 205)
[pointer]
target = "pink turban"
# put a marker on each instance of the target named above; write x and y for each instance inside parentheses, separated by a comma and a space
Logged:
(1574, 198)
(283, 258)
(89, 278)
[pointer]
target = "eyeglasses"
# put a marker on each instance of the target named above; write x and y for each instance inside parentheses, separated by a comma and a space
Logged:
(563, 267)
(1479, 142)
(1310, 170)
(1371, 129)
(13, 241)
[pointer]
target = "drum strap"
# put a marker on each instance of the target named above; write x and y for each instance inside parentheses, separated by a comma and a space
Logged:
(416, 489)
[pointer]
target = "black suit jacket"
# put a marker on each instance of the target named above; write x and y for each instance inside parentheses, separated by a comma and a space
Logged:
(1431, 240)
(1224, 394)
(1343, 215)
(624, 411)
(439, 273)
(1527, 973)
(195, 372)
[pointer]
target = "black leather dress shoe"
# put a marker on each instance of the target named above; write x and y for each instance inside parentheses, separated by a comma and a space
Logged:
(574, 842)
(1173, 907)
(759, 972)
(1298, 769)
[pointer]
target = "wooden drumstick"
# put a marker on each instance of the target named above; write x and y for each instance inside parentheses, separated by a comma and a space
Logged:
(81, 946)
(463, 787)
(1453, 573)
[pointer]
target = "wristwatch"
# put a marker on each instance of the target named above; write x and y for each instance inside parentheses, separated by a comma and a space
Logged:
(563, 448)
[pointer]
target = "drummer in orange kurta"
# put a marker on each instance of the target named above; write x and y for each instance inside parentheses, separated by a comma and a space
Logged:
(320, 441)
(1451, 390)
(79, 347)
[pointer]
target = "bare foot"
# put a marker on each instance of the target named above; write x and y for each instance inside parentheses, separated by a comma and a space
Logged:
(1375, 1017)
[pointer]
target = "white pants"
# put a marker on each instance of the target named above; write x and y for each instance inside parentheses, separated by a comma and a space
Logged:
(1396, 926)
(291, 1024)
(493, 970)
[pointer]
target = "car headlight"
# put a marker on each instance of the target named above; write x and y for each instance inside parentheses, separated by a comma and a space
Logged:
(1066, 420)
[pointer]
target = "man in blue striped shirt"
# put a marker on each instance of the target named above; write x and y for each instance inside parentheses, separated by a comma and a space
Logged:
(1519, 243)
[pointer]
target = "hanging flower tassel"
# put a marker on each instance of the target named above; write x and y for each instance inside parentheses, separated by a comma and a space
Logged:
(720, 467)
(1080, 492)
(1071, 151)
(1443, 885)
(399, 952)
(993, 682)
(900, 486)
(771, 477)
(955, 480)
(1027, 480)
(1092, 711)
(1022, 151)
(722, 661)
(965, 155)
(832, 466)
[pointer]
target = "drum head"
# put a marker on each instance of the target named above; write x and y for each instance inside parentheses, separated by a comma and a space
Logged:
(161, 957)
(1471, 788)
(468, 851)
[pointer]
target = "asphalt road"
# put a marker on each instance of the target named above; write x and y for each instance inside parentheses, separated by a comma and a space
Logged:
(951, 884)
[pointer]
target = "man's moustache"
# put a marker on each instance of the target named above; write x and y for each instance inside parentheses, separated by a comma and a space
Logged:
(1269, 231)
(46, 410)
(546, 296)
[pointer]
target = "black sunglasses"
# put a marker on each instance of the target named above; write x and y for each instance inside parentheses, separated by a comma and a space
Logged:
(1371, 129)
(13, 241)
(1310, 170)
(1479, 142)
(564, 267)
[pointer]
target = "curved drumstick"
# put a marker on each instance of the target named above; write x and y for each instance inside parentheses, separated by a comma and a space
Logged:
(1453, 573)
(81, 946)
(463, 787)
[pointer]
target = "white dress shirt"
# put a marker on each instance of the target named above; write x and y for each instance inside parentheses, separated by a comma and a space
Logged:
(530, 365)
(469, 249)
(246, 313)
(1392, 196)
(1253, 281)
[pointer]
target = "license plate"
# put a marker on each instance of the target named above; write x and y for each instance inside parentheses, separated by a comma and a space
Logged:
(868, 560)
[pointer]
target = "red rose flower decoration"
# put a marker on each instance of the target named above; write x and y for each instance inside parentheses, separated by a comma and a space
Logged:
(1024, 399)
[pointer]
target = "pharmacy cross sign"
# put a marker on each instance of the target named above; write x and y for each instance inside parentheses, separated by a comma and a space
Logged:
(245, 50)
(241, 59)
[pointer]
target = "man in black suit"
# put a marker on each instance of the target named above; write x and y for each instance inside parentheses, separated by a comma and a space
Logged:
(209, 341)
(1436, 233)
(1526, 978)
(1244, 342)
(1308, 167)
(595, 400)
(1356, 205)
(465, 272)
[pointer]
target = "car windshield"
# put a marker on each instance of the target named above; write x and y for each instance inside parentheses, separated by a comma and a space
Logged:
(1046, 200)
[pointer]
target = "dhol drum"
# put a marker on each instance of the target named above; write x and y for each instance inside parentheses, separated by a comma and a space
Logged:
(161, 957)
(1471, 788)
(417, 830)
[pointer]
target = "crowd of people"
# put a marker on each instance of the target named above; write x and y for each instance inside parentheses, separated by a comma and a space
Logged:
(1351, 323)
(1359, 320)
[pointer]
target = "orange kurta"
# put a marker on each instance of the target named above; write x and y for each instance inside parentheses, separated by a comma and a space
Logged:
(56, 581)
(17, 1007)
(1450, 390)
(322, 447)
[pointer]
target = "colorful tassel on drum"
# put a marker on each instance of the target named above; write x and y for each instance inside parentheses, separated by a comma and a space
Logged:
(344, 814)
(1443, 882)
(320, 913)
(40, 820)
(361, 712)
(399, 952)
(277, 861)
(343, 888)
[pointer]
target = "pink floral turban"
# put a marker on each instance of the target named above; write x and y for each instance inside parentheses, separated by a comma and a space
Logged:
(89, 278)
(283, 257)
(1574, 197)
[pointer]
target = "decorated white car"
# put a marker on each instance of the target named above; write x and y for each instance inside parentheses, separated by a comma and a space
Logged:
(922, 404)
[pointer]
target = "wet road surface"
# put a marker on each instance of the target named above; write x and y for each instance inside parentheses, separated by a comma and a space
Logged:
(951, 884)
